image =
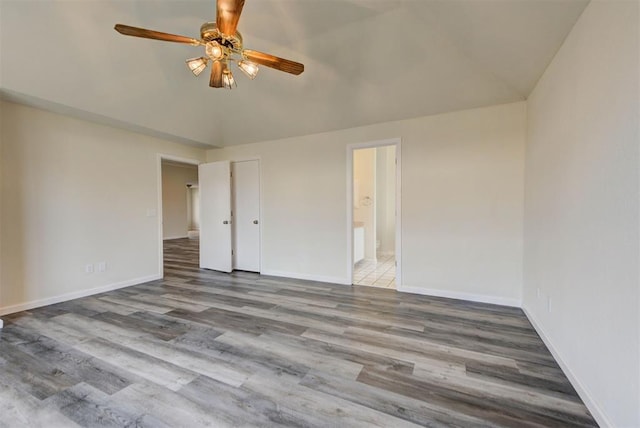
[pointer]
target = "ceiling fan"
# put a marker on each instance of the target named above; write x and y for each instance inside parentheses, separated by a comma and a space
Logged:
(222, 44)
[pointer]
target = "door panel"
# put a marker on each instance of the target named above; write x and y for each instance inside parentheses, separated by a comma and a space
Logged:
(246, 215)
(215, 216)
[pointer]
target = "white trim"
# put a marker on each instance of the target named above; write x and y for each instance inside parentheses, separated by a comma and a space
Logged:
(480, 298)
(307, 277)
(398, 237)
(582, 391)
(168, 238)
(350, 253)
(375, 143)
(160, 158)
(398, 251)
(1, 323)
(246, 159)
(179, 159)
(76, 295)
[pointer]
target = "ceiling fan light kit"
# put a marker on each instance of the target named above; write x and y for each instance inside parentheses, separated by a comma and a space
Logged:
(222, 44)
(197, 65)
(249, 68)
(214, 51)
(227, 79)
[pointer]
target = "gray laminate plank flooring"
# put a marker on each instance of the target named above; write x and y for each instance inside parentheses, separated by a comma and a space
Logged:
(201, 348)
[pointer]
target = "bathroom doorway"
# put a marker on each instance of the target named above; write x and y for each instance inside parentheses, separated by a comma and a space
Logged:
(374, 208)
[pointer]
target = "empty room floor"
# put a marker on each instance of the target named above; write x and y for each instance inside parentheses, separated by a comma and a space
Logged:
(201, 348)
(381, 273)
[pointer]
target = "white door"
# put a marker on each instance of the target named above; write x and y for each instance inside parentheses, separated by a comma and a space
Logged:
(214, 180)
(246, 215)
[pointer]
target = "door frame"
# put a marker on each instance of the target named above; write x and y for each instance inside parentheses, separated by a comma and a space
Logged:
(260, 203)
(159, 158)
(398, 247)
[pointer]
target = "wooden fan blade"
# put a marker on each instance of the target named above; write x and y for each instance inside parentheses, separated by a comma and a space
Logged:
(156, 35)
(217, 70)
(228, 15)
(274, 62)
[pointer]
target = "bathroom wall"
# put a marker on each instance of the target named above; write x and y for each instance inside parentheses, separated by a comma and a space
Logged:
(386, 199)
(364, 181)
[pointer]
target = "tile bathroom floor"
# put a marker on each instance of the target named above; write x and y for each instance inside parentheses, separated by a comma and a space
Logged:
(380, 274)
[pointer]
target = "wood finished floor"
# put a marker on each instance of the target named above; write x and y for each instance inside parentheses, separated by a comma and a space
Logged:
(201, 348)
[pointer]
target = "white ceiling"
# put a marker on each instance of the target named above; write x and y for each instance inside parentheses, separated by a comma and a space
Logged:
(366, 61)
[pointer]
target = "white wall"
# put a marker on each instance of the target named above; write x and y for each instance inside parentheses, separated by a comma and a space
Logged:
(364, 204)
(194, 208)
(581, 210)
(176, 207)
(462, 202)
(1, 157)
(75, 193)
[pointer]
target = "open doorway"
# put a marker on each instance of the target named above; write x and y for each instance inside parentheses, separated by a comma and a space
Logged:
(374, 187)
(180, 213)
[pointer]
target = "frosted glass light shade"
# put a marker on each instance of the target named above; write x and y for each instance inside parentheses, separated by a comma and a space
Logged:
(249, 68)
(197, 65)
(228, 80)
(214, 51)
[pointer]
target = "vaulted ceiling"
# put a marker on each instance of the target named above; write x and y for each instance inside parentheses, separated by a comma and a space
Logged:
(366, 61)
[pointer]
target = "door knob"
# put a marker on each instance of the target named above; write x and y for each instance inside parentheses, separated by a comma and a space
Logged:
(255, 221)
(225, 222)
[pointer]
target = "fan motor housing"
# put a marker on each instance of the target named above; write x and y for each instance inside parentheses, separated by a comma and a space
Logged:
(209, 32)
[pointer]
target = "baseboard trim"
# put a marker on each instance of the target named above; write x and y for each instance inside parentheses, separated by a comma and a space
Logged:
(307, 277)
(75, 295)
(582, 391)
(480, 298)
(168, 238)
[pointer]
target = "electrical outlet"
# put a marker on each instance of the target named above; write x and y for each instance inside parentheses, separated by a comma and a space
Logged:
(539, 292)
(102, 266)
(549, 304)
(88, 268)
